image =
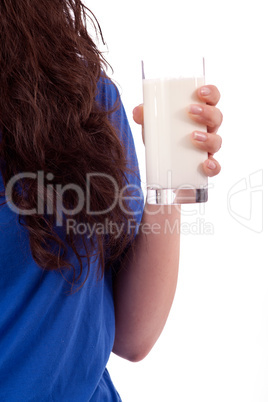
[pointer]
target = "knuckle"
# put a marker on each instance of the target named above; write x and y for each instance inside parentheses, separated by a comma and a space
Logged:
(214, 143)
(217, 94)
(218, 169)
(221, 116)
(211, 117)
(220, 142)
(211, 148)
(215, 117)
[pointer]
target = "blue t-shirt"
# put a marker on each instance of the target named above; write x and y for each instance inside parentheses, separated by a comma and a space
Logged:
(54, 346)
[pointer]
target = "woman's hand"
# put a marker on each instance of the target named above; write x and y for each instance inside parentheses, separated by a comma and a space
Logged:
(206, 114)
(145, 287)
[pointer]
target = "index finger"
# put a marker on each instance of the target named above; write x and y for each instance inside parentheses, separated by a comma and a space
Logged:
(209, 94)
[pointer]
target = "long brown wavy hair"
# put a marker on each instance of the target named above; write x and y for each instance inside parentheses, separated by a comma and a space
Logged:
(50, 121)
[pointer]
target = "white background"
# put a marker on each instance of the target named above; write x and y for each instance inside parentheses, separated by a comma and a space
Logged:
(215, 344)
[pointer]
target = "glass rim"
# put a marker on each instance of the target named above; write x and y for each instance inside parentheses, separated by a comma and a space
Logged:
(187, 69)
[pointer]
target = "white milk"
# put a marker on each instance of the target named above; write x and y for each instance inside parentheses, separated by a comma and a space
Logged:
(172, 161)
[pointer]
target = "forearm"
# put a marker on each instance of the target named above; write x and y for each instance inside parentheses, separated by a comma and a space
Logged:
(145, 286)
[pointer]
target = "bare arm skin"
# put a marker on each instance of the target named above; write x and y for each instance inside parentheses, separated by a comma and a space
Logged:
(145, 286)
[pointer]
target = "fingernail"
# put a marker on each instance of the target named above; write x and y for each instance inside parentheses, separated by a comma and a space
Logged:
(194, 109)
(205, 91)
(211, 165)
(199, 136)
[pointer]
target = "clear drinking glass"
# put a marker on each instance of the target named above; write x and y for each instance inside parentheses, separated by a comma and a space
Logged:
(174, 171)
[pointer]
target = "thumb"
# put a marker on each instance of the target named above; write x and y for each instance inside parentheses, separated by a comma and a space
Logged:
(138, 114)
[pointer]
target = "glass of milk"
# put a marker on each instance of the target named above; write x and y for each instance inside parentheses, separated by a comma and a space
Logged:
(174, 171)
